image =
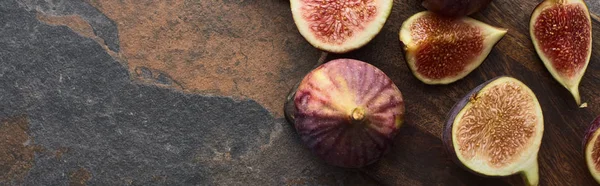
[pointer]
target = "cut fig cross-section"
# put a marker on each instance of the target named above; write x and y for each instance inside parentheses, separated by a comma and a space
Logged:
(561, 32)
(591, 146)
(442, 50)
(347, 112)
(340, 26)
(496, 130)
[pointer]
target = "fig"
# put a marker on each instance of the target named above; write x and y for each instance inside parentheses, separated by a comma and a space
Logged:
(441, 50)
(561, 32)
(340, 26)
(591, 147)
(496, 130)
(347, 112)
(455, 8)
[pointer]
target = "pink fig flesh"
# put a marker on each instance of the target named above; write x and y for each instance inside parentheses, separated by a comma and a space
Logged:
(340, 26)
(347, 112)
(496, 130)
(441, 50)
(561, 32)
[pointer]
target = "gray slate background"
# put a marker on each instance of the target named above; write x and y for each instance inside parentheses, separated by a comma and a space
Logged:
(77, 97)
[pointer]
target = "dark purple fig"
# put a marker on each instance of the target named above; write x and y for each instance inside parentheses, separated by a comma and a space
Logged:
(340, 26)
(561, 32)
(455, 8)
(442, 50)
(347, 112)
(496, 130)
(591, 146)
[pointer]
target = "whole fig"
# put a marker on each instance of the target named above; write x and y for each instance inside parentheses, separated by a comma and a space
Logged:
(455, 8)
(347, 112)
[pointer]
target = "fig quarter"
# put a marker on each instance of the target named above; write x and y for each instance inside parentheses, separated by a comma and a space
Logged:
(561, 32)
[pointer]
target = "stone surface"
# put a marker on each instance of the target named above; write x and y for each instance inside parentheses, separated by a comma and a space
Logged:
(96, 126)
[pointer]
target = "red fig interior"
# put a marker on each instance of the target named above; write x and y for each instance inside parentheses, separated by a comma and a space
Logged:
(441, 50)
(497, 129)
(340, 26)
(562, 36)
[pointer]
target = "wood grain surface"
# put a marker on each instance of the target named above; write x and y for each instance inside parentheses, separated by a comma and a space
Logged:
(418, 158)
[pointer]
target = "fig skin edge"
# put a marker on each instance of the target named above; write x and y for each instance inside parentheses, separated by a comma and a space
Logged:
(529, 170)
(572, 85)
(491, 35)
(591, 136)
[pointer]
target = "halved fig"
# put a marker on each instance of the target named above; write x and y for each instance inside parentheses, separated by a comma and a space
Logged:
(455, 8)
(441, 50)
(340, 26)
(591, 146)
(561, 31)
(347, 112)
(496, 130)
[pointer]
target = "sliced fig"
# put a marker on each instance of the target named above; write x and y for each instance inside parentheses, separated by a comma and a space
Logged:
(496, 130)
(455, 8)
(441, 50)
(561, 31)
(340, 26)
(591, 146)
(347, 112)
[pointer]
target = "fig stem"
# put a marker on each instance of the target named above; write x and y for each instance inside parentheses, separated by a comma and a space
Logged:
(358, 114)
(531, 174)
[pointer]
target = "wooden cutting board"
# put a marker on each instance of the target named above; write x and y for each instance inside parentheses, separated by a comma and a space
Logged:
(418, 157)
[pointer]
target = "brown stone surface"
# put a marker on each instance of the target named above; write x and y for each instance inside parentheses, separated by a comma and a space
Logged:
(215, 47)
(17, 149)
(78, 25)
(80, 177)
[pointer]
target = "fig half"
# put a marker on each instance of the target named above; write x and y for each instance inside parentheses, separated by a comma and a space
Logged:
(347, 112)
(591, 146)
(496, 130)
(441, 50)
(455, 8)
(561, 31)
(340, 26)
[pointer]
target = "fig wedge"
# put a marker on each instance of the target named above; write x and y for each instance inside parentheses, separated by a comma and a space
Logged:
(496, 130)
(340, 26)
(442, 50)
(561, 32)
(347, 112)
(591, 147)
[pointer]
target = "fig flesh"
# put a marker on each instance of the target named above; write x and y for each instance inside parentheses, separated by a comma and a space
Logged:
(496, 130)
(561, 32)
(441, 50)
(591, 146)
(455, 8)
(347, 112)
(340, 26)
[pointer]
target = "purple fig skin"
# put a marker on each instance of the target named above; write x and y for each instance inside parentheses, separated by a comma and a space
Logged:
(347, 112)
(447, 132)
(589, 133)
(455, 8)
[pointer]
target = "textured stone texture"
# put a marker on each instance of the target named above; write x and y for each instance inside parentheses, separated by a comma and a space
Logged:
(98, 127)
